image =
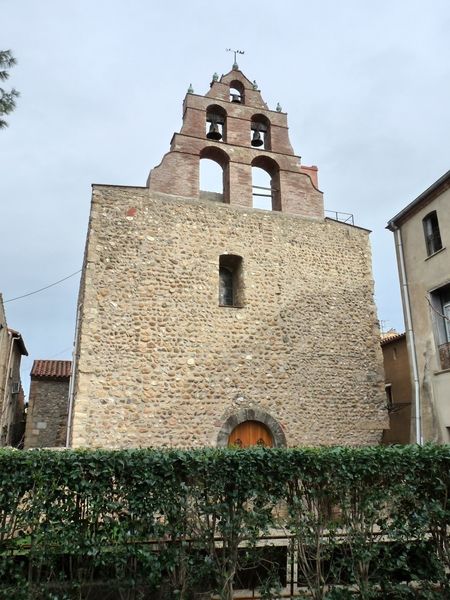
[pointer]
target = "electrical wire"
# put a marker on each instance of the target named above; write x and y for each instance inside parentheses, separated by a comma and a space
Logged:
(43, 288)
(436, 311)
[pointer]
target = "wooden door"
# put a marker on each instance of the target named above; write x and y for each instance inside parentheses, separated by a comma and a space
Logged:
(250, 433)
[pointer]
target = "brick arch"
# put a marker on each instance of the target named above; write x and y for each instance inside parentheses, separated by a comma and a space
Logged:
(251, 414)
(216, 154)
(223, 160)
(268, 164)
(216, 109)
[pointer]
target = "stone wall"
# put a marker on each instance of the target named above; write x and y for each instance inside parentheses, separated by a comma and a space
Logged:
(159, 362)
(46, 424)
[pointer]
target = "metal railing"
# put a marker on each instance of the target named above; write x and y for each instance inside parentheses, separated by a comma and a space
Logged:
(343, 217)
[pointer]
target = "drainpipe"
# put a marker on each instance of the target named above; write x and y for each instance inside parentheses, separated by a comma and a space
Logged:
(72, 380)
(409, 330)
(5, 408)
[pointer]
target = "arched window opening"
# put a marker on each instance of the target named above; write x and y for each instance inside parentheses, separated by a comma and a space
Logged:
(432, 234)
(260, 132)
(251, 433)
(266, 184)
(213, 175)
(261, 189)
(216, 119)
(230, 280)
(237, 92)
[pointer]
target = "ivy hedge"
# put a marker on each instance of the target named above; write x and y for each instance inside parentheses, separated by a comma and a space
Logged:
(369, 523)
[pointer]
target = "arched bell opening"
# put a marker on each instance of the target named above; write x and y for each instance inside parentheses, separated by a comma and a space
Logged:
(251, 427)
(216, 123)
(214, 174)
(237, 92)
(266, 183)
(260, 132)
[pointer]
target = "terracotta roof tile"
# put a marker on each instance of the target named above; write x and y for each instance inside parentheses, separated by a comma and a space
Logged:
(51, 368)
(387, 338)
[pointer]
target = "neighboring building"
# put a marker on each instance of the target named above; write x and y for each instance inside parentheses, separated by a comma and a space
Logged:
(422, 233)
(398, 388)
(48, 404)
(12, 420)
(203, 320)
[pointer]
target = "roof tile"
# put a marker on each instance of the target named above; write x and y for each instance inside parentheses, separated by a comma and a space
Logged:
(51, 368)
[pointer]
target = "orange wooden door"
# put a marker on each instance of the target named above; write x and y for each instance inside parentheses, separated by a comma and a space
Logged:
(250, 433)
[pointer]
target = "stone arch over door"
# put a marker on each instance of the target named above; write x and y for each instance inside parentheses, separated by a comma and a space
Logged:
(251, 414)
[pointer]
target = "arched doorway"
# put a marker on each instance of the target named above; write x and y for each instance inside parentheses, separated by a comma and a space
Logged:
(250, 433)
(231, 423)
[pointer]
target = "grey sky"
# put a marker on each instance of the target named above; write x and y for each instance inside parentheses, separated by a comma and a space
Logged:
(365, 84)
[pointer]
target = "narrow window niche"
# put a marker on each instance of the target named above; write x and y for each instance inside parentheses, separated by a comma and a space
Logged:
(230, 281)
(432, 234)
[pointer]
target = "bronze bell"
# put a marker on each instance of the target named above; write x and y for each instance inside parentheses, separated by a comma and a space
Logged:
(214, 133)
(256, 139)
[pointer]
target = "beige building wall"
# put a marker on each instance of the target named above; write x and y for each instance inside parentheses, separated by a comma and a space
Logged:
(424, 275)
(398, 389)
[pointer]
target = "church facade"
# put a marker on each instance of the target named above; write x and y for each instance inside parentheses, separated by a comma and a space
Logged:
(204, 321)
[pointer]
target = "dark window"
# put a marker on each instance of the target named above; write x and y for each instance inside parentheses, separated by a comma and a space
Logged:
(389, 400)
(230, 280)
(440, 304)
(432, 234)
(226, 295)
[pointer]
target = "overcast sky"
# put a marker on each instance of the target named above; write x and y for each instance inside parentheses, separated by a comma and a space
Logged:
(366, 86)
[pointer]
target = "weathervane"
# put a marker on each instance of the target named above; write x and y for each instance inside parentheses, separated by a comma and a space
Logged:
(235, 65)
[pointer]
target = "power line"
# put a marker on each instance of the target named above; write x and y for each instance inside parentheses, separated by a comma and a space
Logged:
(43, 288)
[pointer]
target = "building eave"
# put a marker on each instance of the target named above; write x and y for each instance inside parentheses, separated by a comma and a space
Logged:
(418, 202)
(21, 344)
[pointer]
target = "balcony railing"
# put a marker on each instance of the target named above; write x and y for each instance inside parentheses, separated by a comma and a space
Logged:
(343, 217)
(444, 355)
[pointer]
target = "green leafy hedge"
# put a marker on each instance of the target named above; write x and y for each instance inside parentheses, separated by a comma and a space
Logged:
(130, 524)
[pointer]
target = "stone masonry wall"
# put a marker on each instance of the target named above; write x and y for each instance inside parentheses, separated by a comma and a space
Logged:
(161, 363)
(46, 424)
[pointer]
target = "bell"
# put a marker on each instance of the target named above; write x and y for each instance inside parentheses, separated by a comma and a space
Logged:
(256, 139)
(214, 133)
(236, 98)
